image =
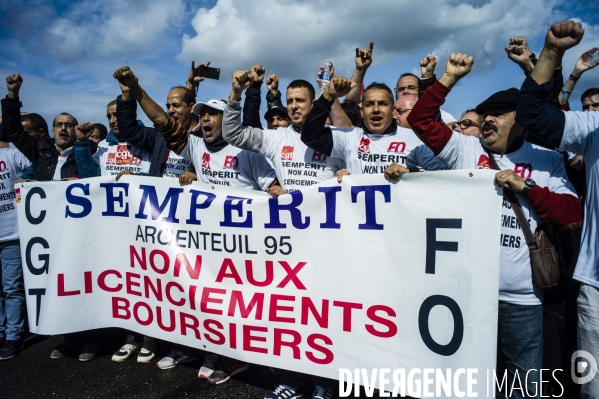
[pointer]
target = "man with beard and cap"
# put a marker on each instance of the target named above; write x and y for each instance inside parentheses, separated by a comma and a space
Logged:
(217, 163)
(536, 175)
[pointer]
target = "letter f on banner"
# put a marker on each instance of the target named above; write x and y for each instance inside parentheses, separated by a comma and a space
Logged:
(432, 245)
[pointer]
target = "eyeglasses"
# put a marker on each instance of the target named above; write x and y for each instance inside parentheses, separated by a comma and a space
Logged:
(404, 88)
(465, 124)
(400, 112)
(65, 124)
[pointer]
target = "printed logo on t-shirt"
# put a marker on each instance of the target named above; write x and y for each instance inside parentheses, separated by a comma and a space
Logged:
(287, 153)
(364, 146)
(523, 169)
(397, 146)
(231, 162)
(483, 162)
(319, 157)
(122, 156)
(206, 161)
(2, 166)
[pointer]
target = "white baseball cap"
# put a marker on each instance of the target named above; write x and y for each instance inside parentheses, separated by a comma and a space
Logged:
(218, 105)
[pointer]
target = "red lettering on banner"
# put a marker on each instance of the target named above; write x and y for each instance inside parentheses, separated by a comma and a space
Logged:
(195, 324)
(279, 343)
(165, 259)
(322, 319)
(192, 297)
(119, 304)
(391, 327)
(206, 300)
(138, 319)
(87, 282)
(248, 338)
(275, 307)
(222, 273)
(257, 302)
(194, 272)
(162, 326)
(102, 281)
(156, 289)
(169, 297)
(61, 290)
(249, 271)
(220, 338)
(133, 255)
(347, 308)
(292, 275)
(328, 354)
(524, 170)
(130, 283)
(233, 335)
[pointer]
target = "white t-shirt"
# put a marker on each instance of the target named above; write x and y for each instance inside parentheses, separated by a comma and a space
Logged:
(365, 153)
(230, 166)
(530, 161)
(12, 165)
(176, 165)
(61, 161)
(114, 158)
(581, 135)
(297, 166)
(447, 117)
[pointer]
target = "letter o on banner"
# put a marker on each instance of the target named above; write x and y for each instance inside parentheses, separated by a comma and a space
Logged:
(458, 324)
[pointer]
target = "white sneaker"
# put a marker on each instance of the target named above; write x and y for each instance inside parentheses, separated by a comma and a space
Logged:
(322, 393)
(126, 352)
(174, 358)
(209, 365)
(145, 355)
(284, 392)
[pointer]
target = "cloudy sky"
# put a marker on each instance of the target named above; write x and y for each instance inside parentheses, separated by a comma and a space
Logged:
(67, 50)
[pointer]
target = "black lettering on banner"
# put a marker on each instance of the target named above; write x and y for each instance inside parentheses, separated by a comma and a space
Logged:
(458, 325)
(38, 292)
(432, 245)
(37, 220)
(42, 257)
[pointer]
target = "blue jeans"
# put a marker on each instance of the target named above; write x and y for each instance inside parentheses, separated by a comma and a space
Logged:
(588, 333)
(520, 335)
(12, 292)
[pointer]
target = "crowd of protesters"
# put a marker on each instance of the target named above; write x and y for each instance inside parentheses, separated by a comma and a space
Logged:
(544, 153)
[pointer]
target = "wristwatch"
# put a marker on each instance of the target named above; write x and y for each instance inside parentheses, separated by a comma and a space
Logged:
(528, 184)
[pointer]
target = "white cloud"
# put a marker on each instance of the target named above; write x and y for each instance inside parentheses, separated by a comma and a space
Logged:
(292, 38)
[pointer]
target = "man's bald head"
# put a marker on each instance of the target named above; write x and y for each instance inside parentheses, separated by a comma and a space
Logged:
(402, 108)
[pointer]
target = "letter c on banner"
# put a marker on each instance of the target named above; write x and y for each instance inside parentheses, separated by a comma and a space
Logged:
(458, 325)
(37, 220)
(43, 257)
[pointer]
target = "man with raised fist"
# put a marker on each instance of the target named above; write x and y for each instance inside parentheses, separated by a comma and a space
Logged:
(577, 132)
(538, 178)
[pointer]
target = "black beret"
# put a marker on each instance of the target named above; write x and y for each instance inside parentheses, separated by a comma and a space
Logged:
(502, 99)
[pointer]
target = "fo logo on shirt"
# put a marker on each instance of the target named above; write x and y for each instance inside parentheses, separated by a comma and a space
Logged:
(364, 146)
(206, 161)
(319, 157)
(524, 170)
(287, 153)
(397, 146)
(231, 162)
(483, 162)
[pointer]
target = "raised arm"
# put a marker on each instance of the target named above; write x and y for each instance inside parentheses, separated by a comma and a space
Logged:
(422, 119)
(251, 105)
(83, 154)
(273, 96)
(427, 73)
(130, 131)
(363, 62)
(194, 79)
(583, 64)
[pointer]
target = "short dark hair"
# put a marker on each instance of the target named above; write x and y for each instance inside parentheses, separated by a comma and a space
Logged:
(593, 91)
(378, 86)
(353, 112)
(102, 129)
(113, 102)
(403, 75)
(189, 97)
(480, 117)
(299, 83)
(36, 121)
(65, 113)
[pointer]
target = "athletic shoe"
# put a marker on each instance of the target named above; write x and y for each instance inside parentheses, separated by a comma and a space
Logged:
(126, 352)
(284, 392)
(173, 359)
(10, 349)
(226, 369)
(209, 365)
(64, 349)
(322, 393)
(145, 355)
(89, 351)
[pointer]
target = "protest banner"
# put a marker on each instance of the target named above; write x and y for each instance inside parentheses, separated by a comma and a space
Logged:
(364, 274)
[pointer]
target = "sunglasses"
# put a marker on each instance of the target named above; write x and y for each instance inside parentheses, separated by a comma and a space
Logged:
(465, 124)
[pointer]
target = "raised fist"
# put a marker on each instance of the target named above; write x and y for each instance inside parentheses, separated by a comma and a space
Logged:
(83, 131)
(339, 87)
(194, 78)
(257, 73)
(427, 66)
(125, 77)
(241, 80)
(364, 57)
(13, 82)
(521, 41)
(459, 65)
(564, 35)
(272, 83)
(517, 53)
(395, 172)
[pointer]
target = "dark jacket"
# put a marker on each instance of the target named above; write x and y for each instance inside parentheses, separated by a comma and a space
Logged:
(42, 154)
